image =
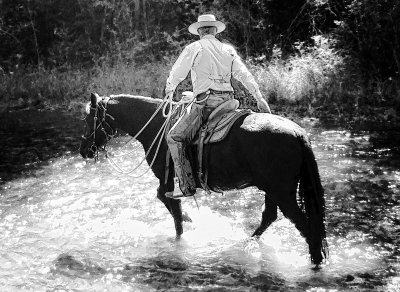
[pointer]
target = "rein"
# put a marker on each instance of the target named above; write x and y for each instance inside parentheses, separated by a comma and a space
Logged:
(166, 105)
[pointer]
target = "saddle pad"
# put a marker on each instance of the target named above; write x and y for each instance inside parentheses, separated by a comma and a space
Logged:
(220, 128)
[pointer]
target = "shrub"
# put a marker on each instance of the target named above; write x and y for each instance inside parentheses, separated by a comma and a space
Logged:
(302, 76)
(146, 79)
(29, 86)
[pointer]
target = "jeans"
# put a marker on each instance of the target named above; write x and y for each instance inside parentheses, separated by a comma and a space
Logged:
(185, 129)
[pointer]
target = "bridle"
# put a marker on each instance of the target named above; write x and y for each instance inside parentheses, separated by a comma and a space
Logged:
(168, 109)
(99, 122)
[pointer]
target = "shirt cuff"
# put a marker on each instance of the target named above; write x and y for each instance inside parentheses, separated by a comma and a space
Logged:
(258, 96)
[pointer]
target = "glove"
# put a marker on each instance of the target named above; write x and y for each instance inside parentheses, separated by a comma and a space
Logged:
(187, 96)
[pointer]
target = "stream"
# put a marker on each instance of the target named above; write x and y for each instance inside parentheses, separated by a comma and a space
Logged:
(69, 224)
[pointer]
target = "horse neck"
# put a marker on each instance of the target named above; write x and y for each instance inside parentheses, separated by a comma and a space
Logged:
(132, 113)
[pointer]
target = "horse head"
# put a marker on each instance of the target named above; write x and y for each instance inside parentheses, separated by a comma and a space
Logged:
(99, 129)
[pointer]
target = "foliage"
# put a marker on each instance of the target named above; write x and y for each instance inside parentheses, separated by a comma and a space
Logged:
(312, 75)
(333, 54)
(29, 86)
(370, 31)
(146, 79)
(67, 87)
(54, 32)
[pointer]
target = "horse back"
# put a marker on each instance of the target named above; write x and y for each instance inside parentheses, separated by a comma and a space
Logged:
(259, 148)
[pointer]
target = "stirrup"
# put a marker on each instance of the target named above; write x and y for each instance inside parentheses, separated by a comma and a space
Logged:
(173, 195)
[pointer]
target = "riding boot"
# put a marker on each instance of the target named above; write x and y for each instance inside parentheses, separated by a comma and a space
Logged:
(183, 171)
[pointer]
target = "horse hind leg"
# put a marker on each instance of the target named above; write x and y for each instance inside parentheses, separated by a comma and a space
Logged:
(269, 215)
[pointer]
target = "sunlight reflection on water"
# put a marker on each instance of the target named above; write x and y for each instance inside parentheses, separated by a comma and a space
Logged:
(79, 225)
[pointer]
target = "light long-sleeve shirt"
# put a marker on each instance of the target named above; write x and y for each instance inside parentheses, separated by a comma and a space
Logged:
(211, 65)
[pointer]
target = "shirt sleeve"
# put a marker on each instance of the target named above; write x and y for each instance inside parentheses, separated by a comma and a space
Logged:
(182, 66)
(241, 73)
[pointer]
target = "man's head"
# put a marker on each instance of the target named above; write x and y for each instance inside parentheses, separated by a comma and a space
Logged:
(207, 30)
(206, 24)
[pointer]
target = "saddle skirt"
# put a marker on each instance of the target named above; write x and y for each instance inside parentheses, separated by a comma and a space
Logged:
(215, 129)
(219, 122)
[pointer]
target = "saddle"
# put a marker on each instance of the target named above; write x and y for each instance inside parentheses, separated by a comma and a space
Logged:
(219, 122)
(214, 129)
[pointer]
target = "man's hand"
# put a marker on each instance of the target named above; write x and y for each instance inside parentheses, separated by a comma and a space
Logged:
(263, 106)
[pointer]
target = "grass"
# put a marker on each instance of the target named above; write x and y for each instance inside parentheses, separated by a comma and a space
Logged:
(69, 87)
(318, 82)
(27, 87)
(146, 80)
(315, 82)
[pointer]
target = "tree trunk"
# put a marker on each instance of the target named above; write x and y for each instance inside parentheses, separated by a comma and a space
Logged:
(145, 25)
(137, 14)
(34, 33)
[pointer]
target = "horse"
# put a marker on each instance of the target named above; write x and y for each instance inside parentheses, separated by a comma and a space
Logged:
(263, 150)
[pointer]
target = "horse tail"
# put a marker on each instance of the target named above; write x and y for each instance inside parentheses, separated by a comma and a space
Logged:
(312, 201)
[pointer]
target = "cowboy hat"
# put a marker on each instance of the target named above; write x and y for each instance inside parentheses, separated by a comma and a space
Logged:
(206, 20)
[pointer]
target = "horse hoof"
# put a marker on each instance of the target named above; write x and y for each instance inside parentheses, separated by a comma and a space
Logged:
(318, 260)
(317, 267)
(186, 218)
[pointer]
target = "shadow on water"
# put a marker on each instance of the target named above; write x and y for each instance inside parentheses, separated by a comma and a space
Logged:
(171, 271)
(31, 138)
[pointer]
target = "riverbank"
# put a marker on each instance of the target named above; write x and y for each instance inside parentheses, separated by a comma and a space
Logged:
(368, 118)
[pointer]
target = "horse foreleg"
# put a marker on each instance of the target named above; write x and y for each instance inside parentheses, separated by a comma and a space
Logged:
(175, 209)
(269, 215)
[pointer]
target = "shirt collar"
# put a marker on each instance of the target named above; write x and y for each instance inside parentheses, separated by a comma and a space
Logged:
(208, 36)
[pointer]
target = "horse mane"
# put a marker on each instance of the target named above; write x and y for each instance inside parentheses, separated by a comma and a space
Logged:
(136, 97)
(121, 98)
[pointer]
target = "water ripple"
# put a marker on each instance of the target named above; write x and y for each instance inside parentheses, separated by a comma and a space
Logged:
(77, 225)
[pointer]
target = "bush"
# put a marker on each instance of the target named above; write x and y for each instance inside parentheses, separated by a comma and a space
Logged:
(67, 87)
(29, 86)
(317, 81)
(146, 79)
(323, 81)
(312, 75)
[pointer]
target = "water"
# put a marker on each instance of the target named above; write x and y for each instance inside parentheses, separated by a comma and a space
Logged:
(72, 225)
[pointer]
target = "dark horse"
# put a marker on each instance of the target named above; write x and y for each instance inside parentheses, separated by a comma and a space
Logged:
(262, 150)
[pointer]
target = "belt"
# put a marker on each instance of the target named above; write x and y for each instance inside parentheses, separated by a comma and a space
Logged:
(204, 95)
(212, 91)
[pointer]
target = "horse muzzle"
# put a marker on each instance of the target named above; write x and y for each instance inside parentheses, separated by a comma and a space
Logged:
(86, 149)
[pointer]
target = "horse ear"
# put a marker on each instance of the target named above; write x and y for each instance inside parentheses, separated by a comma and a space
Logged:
(93, 99)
